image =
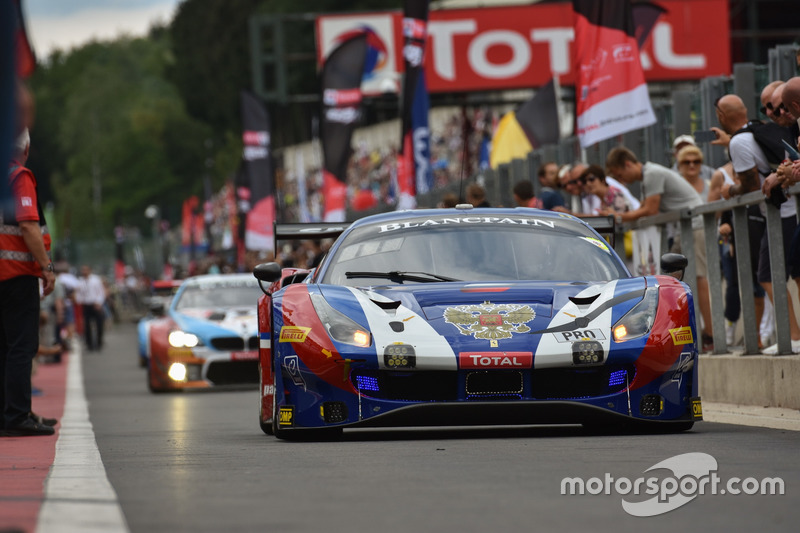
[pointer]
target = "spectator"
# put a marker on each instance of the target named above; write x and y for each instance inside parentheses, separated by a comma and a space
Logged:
(611, 197)
(548, 178)
(476, 195)
(91, 295)
(690, 162)
(663, 190)
(523, 195)
(790, 174)
(26, 234)
(752, 170)
(448, 200)
(586, 204)
(681, 142)
(766, 98)
(724, 175)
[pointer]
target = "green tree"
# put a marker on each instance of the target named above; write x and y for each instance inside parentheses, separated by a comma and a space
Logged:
(117, 135)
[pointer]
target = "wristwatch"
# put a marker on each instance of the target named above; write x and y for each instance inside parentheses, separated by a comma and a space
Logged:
(49, 267)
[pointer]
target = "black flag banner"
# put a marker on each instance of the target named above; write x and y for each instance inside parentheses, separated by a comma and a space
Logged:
(341, 111)
(257, 174)
(538, 117)
(415, 32)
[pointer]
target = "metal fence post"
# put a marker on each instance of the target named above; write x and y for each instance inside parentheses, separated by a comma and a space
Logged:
(744, 272)
(780, 299)
(714, 277)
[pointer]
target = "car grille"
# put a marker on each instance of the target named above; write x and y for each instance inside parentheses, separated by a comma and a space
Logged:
(407, 386)
(233, 372)
(545, 384)
(229, 344)
(555, 383)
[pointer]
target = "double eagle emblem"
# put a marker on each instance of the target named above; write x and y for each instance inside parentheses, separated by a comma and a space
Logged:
(490, 321)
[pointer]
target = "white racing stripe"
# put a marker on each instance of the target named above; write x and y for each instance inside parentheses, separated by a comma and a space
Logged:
(432, 349)
(78, 496)
(555, 349)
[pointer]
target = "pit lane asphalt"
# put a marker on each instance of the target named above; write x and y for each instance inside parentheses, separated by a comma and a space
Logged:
(199, 462)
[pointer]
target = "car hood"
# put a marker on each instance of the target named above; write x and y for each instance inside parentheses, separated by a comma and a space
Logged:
(443, 320)
(209, 323)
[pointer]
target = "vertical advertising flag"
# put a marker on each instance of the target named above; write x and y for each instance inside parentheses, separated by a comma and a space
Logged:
(610, 91)
(413, 163)
(341, 111)
(258, 175)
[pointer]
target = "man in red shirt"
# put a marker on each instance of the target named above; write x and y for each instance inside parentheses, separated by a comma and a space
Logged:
(24, 258)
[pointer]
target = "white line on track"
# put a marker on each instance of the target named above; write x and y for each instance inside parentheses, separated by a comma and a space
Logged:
(78, 496)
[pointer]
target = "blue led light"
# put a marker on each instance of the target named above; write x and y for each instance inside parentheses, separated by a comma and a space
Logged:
(367, 383)
(617, 377)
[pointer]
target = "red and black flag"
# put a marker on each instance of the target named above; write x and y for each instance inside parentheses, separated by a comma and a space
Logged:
(610, 91)
(341, 111)
(413, 165)
(256, 174)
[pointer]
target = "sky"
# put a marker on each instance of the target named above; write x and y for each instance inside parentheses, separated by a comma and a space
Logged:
(65, 24)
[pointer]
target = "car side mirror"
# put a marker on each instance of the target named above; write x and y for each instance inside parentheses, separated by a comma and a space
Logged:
(674, 265)
(157, 308)
(269, 272)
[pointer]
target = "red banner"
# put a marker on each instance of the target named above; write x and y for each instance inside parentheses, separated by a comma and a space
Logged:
(495, 48)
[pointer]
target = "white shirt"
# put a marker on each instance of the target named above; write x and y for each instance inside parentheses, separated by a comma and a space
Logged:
(746, 154)
(90, 290)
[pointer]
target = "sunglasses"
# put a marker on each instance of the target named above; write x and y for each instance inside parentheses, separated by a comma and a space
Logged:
(779, 110)
(767, 107)
(691, 162)
(591, 177)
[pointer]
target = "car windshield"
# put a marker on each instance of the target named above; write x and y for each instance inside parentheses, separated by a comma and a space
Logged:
(207, 295)
(464, 248)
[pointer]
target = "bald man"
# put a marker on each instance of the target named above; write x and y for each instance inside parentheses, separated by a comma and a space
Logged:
(791, 100)
(783, 116)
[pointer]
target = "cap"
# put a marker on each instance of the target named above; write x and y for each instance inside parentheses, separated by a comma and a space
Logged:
(683, 139)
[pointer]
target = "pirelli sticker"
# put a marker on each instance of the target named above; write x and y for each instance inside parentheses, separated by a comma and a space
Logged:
(286, 416)
(293, 334)
(682, 335)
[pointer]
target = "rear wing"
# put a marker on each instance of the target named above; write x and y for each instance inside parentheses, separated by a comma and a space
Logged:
(301, 231)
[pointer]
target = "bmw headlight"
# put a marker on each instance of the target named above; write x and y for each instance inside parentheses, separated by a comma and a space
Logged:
(639, 320)
(181, 339)
(340, 327)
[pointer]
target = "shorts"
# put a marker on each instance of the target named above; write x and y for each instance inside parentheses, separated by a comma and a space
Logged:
(700, 257)
(792, 264)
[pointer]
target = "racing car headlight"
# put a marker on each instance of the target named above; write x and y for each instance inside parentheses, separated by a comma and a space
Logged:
(340, 327)
(639, 320)
(181, 339)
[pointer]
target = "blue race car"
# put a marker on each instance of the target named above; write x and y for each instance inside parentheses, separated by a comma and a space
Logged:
(473, 316)
(208, 336)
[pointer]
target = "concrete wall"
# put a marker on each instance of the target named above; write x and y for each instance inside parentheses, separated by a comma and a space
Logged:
(760, 380)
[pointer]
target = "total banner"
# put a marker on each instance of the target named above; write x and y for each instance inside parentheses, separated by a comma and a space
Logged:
(524, 46)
